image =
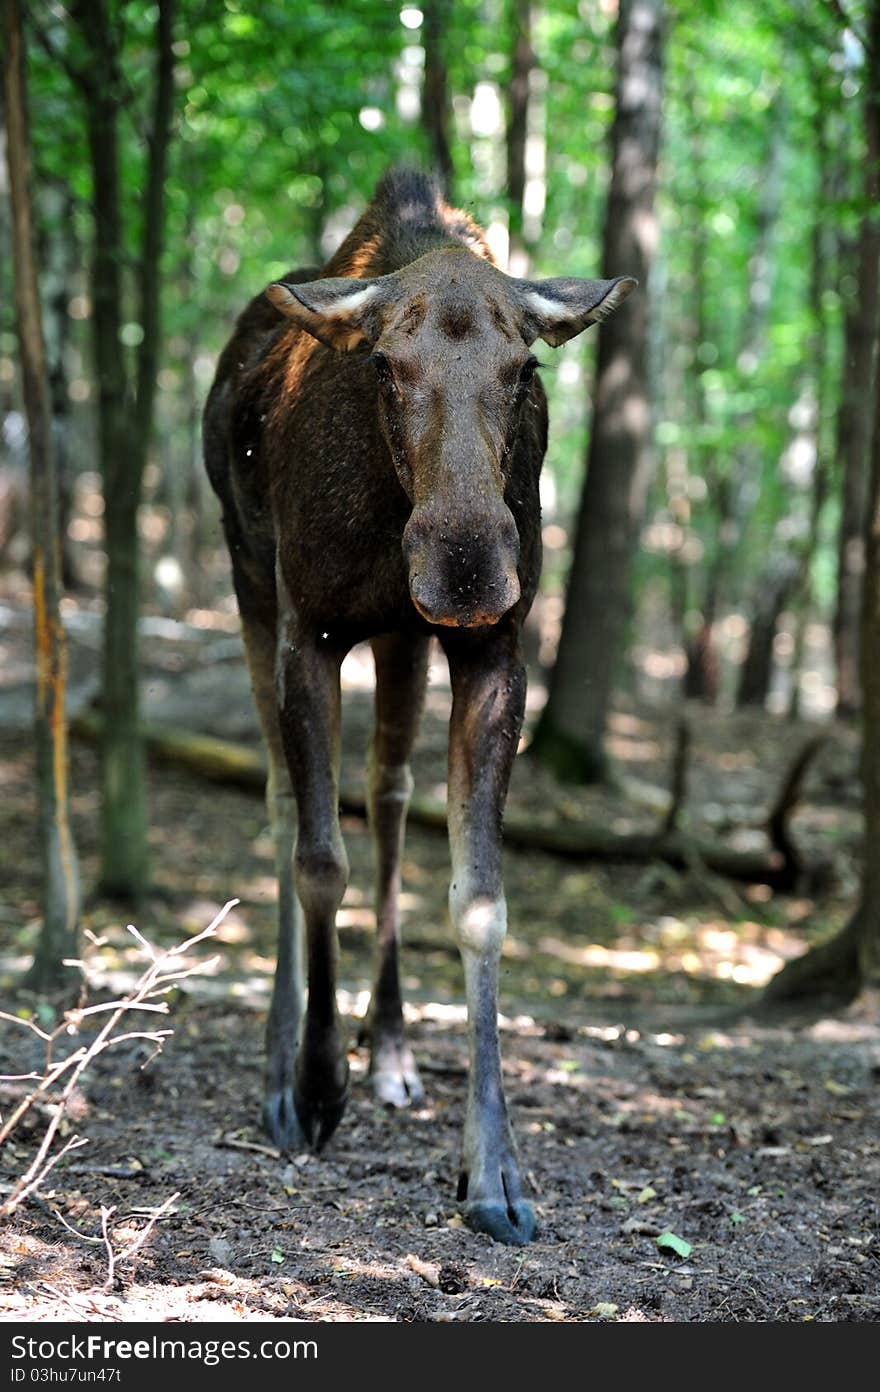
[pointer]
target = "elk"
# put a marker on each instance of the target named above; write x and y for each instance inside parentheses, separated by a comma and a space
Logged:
(375, 433)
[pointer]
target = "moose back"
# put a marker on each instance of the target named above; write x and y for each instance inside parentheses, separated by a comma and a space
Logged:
(375, 433)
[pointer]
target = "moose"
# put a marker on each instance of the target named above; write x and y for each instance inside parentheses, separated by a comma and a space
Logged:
(375, 432)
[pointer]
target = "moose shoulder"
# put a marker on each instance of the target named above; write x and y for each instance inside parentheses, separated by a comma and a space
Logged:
(375, 434)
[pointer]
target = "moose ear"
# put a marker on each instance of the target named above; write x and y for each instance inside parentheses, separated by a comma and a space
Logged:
(340, 312)
(556, 310)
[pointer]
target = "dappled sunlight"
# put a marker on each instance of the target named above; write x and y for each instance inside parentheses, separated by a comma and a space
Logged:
(748, 954)
(632, 750)
(594, 955)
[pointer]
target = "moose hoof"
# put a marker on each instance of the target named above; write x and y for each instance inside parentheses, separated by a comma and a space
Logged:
(280, 1120)
(395, 1078)
(320, 1116)
(513, 1223)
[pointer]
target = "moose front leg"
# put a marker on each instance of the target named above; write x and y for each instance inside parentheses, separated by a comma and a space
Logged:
(309, 701)
(488, 688)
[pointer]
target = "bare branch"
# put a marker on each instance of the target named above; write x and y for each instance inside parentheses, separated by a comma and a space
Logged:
(83, 1237)
(206, 932)
(76, 1015)
(106, 1215)
(28, 1024)
(36, 1175)
(137, 1243)
(130, 928)
(153, 981)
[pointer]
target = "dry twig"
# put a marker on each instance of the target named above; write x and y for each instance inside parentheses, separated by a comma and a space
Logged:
(160, 977)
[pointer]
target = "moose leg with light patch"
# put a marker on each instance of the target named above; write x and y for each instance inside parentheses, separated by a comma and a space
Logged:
(401, 673)
(488, 691)
(309, 710)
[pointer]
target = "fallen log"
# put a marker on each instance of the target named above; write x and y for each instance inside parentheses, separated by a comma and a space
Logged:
(239, 765)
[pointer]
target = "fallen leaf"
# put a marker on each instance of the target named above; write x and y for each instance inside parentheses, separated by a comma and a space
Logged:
(427, 1270)
(669, 1242)
(606, 1309)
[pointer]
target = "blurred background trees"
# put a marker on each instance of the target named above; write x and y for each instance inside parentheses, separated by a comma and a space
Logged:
(187, 154)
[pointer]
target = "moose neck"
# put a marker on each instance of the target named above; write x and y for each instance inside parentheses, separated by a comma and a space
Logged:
(406, 219)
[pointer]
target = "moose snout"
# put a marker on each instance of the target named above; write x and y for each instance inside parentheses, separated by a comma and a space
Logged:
(462, 575)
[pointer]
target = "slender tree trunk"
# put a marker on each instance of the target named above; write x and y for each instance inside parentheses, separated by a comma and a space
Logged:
(570, 734)
(868, 918)
(726, 486)
(774, 586)
(854, 415)
(702, 667)
(60, 262)
(820, 278)
(853, 439)
(435, 93)
(840, 967)
(521, 62)
(125, 422)
(60, 885)
(124, 857)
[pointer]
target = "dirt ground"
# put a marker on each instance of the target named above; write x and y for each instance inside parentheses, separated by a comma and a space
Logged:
(647, 1098)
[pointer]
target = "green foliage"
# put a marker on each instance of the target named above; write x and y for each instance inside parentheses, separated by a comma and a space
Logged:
(288, 114)
(760, 141)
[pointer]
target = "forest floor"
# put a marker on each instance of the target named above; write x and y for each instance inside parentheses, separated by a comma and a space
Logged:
(648, 1093)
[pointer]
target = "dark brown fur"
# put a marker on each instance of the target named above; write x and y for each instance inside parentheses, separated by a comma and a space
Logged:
(389, 496)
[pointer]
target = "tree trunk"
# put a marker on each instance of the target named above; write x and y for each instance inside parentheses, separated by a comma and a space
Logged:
(125, 423)
(821, 278)
(521, 61)
(775, 584)
(840, 967)
(569, 738)
(124, 859)
(726, 482)
(702, 670)
(854, 418)
(59, 267)
(435, 93)
(853, 439)
(60, 888)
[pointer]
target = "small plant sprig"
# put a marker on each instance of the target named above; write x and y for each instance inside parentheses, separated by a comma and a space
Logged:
(161, 977)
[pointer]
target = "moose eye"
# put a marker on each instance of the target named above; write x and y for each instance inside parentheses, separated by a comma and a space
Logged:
(527, 371)
(382, 368)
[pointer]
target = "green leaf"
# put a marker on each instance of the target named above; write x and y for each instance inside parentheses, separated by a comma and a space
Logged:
(669, 1242)
(277, 1255)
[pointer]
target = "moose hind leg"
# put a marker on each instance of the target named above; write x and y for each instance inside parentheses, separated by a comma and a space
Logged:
(286, 1007)
(401, 673)
(488, 686)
